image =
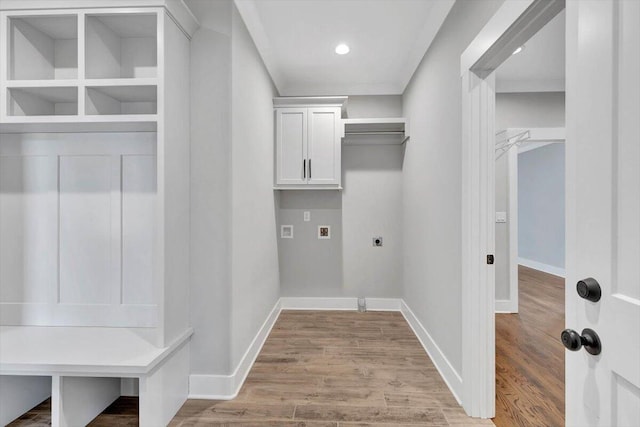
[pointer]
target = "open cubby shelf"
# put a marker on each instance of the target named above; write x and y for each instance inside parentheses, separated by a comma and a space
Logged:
(121, 46)
(43, 47)
(43, 101)
(121, 100)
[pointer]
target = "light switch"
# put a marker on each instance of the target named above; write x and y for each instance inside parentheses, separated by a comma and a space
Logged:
(501, 217)
(307, 216)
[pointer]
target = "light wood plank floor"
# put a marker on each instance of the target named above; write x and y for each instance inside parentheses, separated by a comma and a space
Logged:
(329, 368)
(530, 356)
(322, 368)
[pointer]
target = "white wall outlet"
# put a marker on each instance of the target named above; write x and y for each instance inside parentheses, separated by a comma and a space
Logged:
(501, 217)
(307, 216)
(286, 231)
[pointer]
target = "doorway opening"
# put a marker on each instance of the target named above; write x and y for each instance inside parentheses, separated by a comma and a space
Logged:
(514, 25)
(530, 230)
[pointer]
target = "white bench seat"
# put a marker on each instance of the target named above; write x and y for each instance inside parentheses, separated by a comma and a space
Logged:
(84, 367)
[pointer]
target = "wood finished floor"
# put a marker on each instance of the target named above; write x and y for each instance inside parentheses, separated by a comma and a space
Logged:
(530, 356)
(336, 368)
(322, 368)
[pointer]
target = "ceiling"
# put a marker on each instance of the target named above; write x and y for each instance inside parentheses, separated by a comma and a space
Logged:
(297, 38)
(540, 67)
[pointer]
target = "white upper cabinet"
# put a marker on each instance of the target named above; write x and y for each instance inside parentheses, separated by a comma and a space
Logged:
(292, 141)
(308, 143)
(323, 147)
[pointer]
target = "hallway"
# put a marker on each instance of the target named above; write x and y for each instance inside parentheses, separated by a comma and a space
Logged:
(530, 356)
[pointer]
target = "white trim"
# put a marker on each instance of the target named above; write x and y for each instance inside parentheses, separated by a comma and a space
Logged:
(478, 223)
(314, 303)
(506, 306)
(448, 373)
(227, 387)
(383, 304)
(546, 268)
(508, 13)
(512, 165)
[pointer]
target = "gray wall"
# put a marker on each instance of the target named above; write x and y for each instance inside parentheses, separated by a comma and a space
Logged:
(234, 265)
(533, 109)
(502, 229)
(370, 205)
(211, 192)
(254, 250)
(541, 200)
(432, 187)
(518, 110)
(309, 266)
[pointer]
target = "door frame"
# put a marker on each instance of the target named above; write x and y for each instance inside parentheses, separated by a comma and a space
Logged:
(513, 24)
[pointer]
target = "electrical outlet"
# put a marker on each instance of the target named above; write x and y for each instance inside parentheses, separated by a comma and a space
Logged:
(377, 241)
(307, 216)
(501, 217)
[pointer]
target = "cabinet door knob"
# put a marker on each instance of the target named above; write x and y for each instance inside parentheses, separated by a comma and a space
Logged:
(589, 339)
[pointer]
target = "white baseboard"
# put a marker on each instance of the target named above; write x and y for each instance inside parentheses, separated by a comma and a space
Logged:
(556, 271)
(318, 303)
(446, 370)
(384, 304)
(227, 387)
(506, 306)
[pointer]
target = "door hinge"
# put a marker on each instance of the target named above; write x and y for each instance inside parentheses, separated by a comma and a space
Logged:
(490, 259)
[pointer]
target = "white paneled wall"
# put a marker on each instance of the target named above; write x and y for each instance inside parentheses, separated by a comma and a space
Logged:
(77, 220)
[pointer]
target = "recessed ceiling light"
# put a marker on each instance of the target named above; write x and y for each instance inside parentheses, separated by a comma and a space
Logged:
(518, 50)
(342, 49)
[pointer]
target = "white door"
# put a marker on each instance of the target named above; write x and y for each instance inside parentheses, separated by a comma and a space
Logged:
(603, 209)
(324, 146)
(291, 146)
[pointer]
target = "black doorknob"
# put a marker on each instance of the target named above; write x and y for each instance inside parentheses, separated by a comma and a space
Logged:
(589, 289)
(574, 341)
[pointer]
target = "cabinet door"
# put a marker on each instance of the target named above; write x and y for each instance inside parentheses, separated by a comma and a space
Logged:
(291, 145)
(324, 146)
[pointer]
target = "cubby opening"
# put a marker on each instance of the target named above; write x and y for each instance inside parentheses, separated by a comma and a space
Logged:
(104, 100)
(121, 46)
(43, 48)
(43, 101)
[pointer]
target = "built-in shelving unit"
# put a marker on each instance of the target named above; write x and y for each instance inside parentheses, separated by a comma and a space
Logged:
(376, 131)
(94, 183)
(80, 70)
